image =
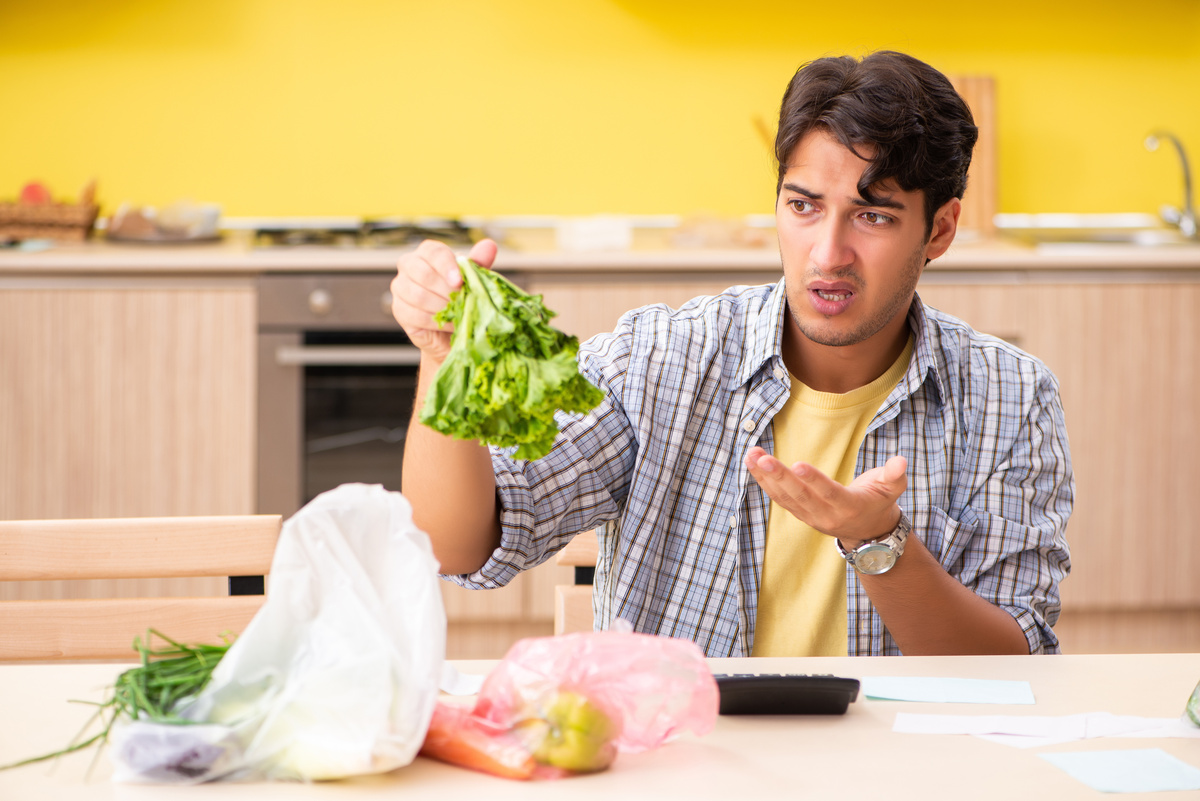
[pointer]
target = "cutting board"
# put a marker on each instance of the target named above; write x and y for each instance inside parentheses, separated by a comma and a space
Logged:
(982, 198)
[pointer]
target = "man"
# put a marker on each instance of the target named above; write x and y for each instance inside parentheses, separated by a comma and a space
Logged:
(819, 466)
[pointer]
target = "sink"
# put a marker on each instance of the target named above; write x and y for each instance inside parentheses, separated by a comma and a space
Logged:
(1073, 230)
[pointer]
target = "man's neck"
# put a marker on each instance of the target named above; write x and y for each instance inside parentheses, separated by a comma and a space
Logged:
(840, 369)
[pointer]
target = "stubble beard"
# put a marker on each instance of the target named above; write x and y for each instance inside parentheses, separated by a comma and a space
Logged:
(898, 303)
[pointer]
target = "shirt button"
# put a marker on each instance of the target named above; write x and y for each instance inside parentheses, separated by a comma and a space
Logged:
(748, 424)
(733, 521)
(780, 373)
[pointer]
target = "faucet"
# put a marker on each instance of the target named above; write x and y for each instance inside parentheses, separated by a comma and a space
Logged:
(1184, 218)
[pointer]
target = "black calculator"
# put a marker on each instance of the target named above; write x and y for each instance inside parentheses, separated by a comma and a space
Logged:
(785, 694)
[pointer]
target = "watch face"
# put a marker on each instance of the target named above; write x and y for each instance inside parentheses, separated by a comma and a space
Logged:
(874, 559)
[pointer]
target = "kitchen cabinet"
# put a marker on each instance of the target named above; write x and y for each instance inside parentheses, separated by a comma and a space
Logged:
(135, 396)
(126, 397)
(483, 624)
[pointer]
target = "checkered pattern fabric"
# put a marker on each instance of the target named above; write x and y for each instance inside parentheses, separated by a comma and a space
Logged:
(657, 468)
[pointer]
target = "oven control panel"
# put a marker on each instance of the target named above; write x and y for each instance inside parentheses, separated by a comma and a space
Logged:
(313, 302)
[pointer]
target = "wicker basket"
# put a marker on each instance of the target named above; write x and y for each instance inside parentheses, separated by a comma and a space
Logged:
(60, 221)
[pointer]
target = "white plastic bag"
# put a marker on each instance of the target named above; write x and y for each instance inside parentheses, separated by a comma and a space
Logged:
(335, 676)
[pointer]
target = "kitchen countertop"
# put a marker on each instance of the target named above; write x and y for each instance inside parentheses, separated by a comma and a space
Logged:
(232, 257)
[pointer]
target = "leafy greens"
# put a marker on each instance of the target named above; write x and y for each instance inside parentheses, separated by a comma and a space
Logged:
(508, 369)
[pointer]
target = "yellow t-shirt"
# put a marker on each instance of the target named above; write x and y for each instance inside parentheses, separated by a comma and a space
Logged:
(802, 597)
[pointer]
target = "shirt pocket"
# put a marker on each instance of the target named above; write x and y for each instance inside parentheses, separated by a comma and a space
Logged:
(946, 538)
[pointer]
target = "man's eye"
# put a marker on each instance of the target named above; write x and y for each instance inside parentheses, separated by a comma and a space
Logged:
(801, 206)
(875, 218)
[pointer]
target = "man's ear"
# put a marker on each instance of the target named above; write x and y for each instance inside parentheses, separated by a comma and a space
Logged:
(945, 226)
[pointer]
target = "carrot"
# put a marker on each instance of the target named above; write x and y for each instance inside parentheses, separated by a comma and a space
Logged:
(460, 738)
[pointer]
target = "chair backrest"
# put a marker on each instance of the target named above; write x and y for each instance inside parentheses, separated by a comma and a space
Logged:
(573, 602)
(150, 547)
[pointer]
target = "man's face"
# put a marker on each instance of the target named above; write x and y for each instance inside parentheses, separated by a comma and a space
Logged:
(851, 266)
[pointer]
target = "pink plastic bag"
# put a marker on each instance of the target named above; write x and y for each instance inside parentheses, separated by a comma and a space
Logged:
(555, 706)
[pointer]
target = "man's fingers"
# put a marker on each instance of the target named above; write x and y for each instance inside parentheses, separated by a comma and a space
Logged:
(483, 253)
(854, 512)
(424, 281)
(819, 486)
(418, 294)
(894, 469)
(754, 457)
(889, 479)
(434, 265)
(800, 489)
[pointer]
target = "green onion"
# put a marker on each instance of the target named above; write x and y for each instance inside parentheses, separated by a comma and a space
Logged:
(151, 691)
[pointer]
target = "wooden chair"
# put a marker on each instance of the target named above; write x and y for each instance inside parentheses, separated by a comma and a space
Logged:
(240, 547)
(573, 602)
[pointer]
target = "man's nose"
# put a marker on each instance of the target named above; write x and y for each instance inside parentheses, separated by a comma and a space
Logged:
(832, 247)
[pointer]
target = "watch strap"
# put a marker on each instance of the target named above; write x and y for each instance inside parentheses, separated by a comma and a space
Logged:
(893, 541)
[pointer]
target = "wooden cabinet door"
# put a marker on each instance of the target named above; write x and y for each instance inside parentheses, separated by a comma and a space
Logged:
(1128, 359)
(126, 399)
(999, 309)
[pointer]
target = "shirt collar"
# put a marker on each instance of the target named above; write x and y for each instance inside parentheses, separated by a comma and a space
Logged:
(764, 336)
(925, 359)
(764, 343)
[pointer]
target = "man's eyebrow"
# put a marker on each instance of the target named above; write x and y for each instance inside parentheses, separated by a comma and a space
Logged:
(799, 190)
(881, 201)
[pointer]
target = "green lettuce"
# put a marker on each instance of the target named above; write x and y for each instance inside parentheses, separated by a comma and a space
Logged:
(508, 369)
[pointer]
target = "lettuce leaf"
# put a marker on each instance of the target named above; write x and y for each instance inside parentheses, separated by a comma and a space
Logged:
(508, 369)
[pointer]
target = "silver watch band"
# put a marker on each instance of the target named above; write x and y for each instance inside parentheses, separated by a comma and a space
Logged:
(877, 556)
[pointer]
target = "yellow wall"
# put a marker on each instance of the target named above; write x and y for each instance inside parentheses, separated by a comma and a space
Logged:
(637, 106)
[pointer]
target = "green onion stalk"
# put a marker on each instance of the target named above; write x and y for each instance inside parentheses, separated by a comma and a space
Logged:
(152, 691)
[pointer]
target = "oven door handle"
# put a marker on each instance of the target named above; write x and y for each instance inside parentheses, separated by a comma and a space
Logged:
(347, 355)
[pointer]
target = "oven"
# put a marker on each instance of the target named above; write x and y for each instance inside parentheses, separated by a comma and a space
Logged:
(336, 380)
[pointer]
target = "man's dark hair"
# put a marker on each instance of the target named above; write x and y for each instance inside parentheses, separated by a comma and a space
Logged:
(920, 129)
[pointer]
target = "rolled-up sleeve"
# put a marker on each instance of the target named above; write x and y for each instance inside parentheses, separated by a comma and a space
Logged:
(1009, 542)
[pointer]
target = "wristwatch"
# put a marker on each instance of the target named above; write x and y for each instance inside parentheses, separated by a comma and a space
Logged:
(877, 556)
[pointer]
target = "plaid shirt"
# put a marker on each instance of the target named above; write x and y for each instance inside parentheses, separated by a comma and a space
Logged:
(657, 467)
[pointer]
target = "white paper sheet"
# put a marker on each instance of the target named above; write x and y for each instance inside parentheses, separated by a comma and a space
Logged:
(1142, 771)
(1031, 731)
(931, 689)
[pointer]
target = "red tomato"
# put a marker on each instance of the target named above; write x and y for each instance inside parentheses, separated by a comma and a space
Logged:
(35, 193)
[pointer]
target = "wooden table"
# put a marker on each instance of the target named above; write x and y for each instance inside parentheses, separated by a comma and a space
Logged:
(846, 757)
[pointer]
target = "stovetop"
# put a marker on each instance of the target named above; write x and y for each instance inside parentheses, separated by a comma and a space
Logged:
(351, 233)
